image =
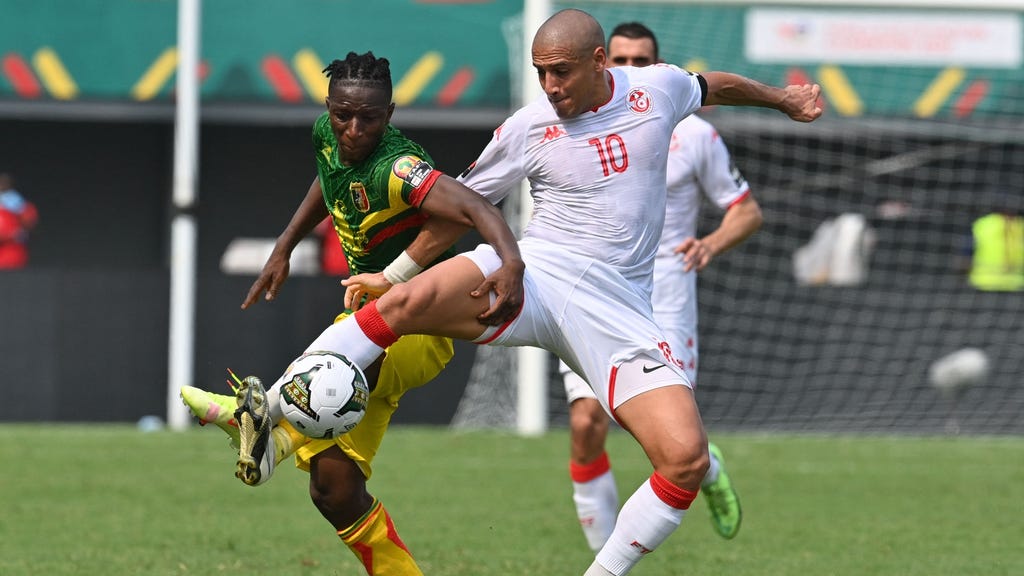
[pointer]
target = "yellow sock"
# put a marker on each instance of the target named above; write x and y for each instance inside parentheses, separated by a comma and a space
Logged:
(374, 540)
(286, 440)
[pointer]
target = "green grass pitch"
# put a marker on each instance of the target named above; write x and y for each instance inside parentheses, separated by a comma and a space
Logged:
(112, 501)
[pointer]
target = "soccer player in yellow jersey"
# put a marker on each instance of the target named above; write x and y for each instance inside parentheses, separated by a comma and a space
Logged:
(378, 187)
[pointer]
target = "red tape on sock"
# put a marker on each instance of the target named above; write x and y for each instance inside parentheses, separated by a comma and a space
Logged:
(374, 326)
(669, 493)
(586, 472)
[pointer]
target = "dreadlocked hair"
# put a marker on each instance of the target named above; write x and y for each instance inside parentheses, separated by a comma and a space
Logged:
(362, 69)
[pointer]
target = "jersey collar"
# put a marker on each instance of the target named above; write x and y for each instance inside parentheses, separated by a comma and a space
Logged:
(611, 93)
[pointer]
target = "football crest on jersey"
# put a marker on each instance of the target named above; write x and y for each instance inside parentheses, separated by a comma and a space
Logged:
(404, 165)
(412, 170)
(639, 101)
(359, 198)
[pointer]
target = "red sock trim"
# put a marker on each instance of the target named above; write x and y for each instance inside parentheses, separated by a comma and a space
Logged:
(374, 326)
(365, 556)
(393, 534)
(586, 472)
(669, 493)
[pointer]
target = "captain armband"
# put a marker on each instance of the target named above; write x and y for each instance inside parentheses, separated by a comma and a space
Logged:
(402, 269)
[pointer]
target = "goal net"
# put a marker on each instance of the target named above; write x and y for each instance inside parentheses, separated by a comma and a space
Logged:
(834, 315)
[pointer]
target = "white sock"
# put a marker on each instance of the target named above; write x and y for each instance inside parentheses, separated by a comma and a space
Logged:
(644, 522)
(712, 474)
(597, 570)
(597, 502)
(274, 402)
(346, 338)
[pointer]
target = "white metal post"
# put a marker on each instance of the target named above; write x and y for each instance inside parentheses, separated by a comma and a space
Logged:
(532, 373)
(180, 361)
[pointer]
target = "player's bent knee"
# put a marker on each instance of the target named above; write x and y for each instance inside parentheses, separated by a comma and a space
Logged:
(588, 418)
(588, 425)
(340, 504)
(686, 464)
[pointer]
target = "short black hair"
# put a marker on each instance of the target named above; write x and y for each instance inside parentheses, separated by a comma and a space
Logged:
(363, 69)
(635, 31)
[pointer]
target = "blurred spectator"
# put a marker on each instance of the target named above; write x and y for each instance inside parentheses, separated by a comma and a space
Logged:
(997, 262)
(332, 256)
(17, 217)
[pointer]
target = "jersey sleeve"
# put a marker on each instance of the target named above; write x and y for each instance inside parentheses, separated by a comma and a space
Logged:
(499, 168)
(410, 176)
(720, 179)
(683, 88)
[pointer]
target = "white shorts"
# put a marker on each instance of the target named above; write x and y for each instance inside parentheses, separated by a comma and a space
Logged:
(674, 300)
(586, 313)
(675, 312)
(576, 388)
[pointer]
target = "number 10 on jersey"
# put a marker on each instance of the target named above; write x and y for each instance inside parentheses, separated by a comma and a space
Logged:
(612, 152)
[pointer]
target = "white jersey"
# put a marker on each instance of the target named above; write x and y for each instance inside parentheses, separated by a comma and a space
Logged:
(597, 180)
(699, 165)
(598, 183)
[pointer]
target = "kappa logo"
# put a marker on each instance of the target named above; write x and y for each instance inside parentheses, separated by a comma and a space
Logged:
(639, 101)
(675, 144)
(553, 132)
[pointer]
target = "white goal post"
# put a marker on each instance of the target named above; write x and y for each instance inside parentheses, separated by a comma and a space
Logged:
(532, 373)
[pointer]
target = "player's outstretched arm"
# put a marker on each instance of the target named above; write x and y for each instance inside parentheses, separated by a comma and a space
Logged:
(310, 212)
(739, 222)
(798, 101)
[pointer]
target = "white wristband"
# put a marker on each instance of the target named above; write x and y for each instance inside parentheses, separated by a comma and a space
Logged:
(402, 269)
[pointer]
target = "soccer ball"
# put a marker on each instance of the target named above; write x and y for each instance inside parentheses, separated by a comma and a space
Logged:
(323, 394)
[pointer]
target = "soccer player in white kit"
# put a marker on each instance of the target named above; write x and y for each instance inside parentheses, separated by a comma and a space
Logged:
(594, 151)
(699, 166)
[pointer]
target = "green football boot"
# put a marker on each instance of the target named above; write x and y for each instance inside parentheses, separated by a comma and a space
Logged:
(218, 409)
(723, 502)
